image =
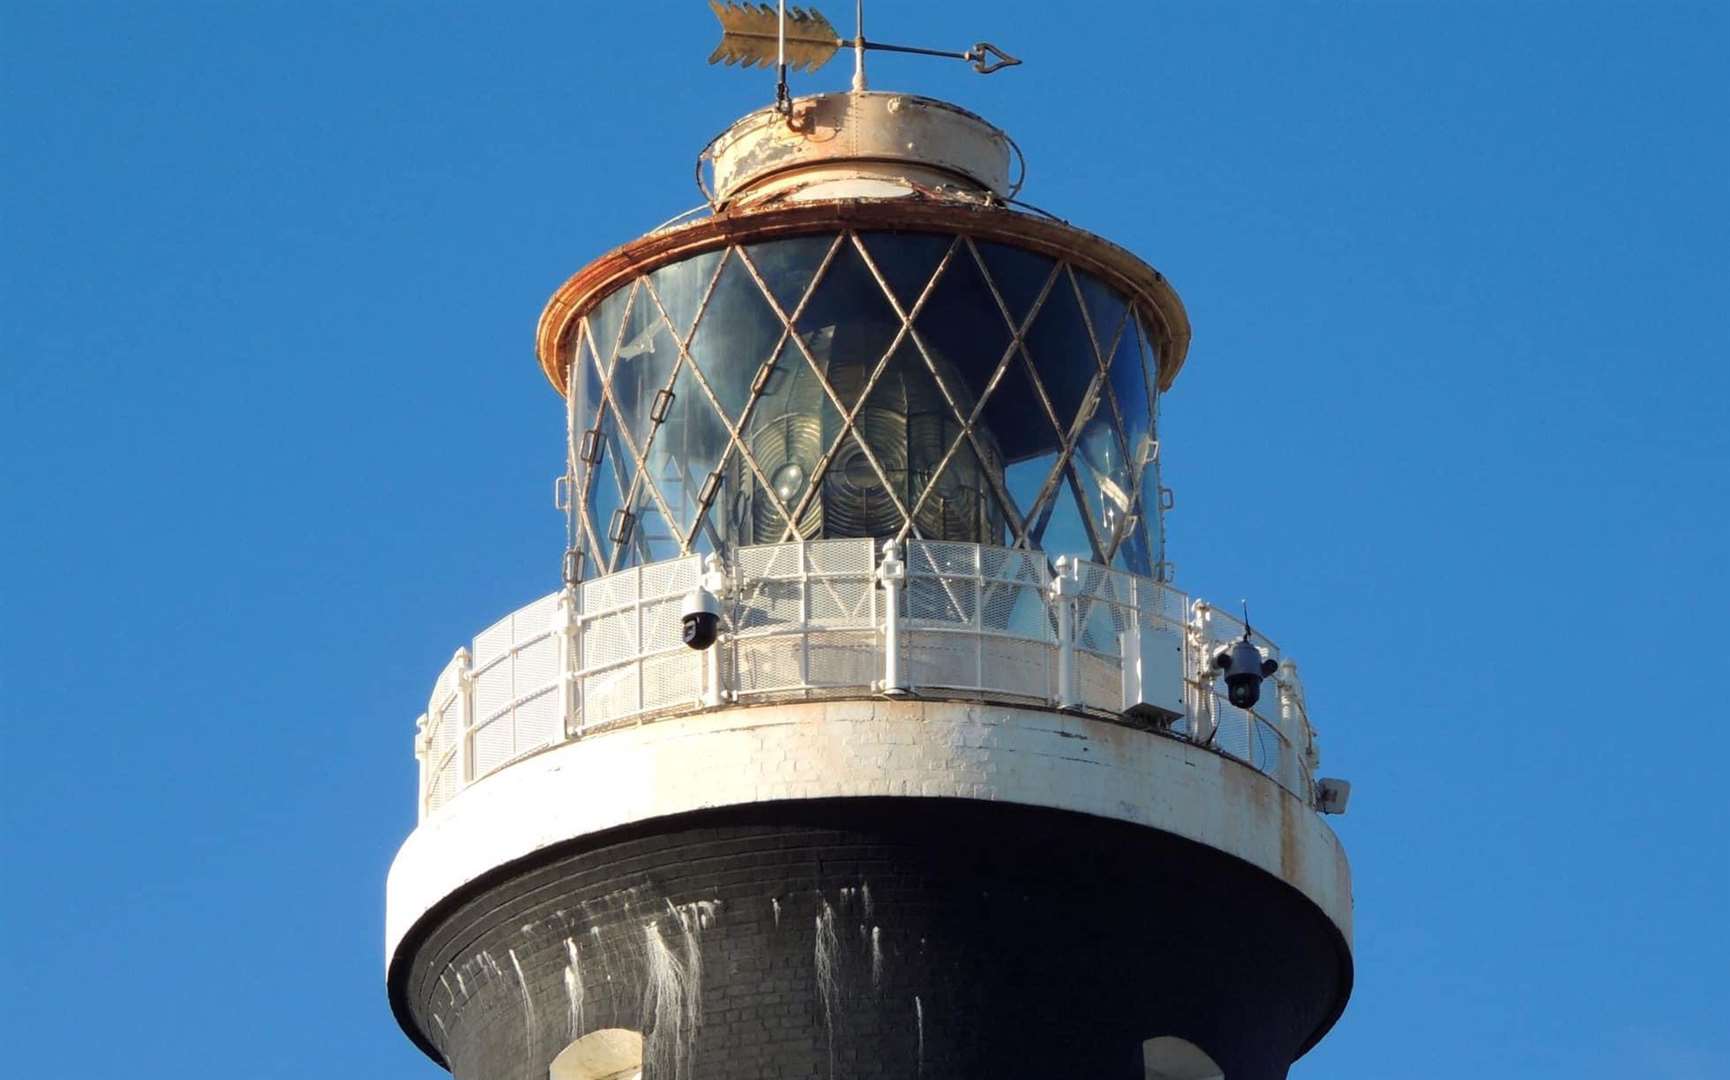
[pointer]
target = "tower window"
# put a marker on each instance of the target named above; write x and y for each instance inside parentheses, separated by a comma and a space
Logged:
(607, 1054)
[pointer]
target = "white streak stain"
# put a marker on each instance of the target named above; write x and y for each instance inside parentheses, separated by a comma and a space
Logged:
(667, 1007)
(919, 1019)
(529, 1024)
(573, 989)
(876, 958)
(824, 957)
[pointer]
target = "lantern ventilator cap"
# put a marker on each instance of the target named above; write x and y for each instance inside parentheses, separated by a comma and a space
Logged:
(866, 144)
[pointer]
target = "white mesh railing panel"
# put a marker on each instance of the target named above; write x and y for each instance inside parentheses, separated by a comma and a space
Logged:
(494, 745)
(444, 715)
(844, 658)
(770, 560)
(493, 642)
(842, 601)
(1006, 564)
(1014, 609)
(840, 557)
(1099, 681)
(672, 679)
(1021, 668)
(935, 659)
(662, 625)
(769, 605)
(442, 786)
(610, 593)
(610, 638)
(538, 721)
(766, 664)
(493, 691)
(940, 601)
(610, 695)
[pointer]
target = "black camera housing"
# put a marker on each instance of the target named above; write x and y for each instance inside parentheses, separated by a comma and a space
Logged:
(1245, 667)
(700, 621)
(700, 629)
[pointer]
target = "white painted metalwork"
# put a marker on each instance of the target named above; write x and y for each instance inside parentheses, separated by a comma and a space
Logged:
(904, 142)
(828, 619)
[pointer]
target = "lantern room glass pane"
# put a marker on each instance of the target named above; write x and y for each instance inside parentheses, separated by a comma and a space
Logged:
(851, 422)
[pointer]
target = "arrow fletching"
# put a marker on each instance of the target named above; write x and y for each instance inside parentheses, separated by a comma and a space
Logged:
(749, 33)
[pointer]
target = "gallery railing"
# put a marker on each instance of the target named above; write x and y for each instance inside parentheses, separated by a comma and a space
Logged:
(844, 618)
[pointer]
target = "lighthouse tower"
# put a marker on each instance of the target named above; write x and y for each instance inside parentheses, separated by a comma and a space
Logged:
(870, 734)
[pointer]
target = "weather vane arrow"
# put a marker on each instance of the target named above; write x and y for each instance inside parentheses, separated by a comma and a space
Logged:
(761, 35)
(751, 37)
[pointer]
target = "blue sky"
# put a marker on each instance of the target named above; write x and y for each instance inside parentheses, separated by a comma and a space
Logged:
(273, 444)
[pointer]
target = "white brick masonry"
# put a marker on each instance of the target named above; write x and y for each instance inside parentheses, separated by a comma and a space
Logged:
(862, 748)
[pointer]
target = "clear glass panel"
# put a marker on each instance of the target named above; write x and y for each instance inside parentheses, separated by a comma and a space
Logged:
(1063, 532)
(643, 367)
(907, 261)
(959, 502)
(793, 424)
(787, 266)
(1062, 353)
(1150, 355)
(651, 540)
(1017, 422)
(1025, 479)
(962, 325)
(848, 325)
(1020, 275)
(689, 446)
(608, 486)
(910, 427)
(1129, 393)
(1106, 479)
(606, 321)
(1105, 312)
(1132, 549)
(682, 286)
(737, 332)
(584, 385)
(854, 500)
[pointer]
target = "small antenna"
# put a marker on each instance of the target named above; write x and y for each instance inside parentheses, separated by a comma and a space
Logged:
(1246, 627)
(757, 35)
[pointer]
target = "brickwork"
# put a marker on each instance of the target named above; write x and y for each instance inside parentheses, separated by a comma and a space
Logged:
(887, 937)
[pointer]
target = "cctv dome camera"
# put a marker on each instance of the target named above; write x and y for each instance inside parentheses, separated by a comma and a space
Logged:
(700, 620)
(1245, 667)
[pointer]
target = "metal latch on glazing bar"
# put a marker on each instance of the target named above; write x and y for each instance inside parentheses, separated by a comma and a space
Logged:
(758, 35)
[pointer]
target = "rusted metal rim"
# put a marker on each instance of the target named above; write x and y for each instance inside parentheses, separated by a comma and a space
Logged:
(1094, 254)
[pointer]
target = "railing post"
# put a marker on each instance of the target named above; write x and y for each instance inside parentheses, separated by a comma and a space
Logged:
(891, 572)
(714, 581)
(465, 717)
(422, 747)
(1206, 720)
(1063, 589)
(568, 625)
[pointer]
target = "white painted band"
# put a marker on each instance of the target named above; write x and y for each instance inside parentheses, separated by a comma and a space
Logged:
(866, 748)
